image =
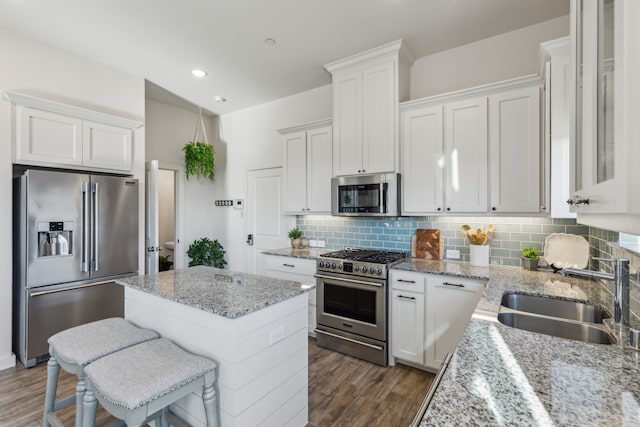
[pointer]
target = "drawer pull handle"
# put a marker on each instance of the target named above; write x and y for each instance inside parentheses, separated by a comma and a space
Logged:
(457, 285)
(405, 297)
(406, 281)
(289, 265)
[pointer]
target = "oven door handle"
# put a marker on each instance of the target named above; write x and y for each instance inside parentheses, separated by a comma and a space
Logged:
(377, 347)
(342, 279)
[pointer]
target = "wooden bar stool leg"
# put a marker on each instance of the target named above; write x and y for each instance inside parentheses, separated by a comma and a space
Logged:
(53, 369)
(209, 400)
(89, 407)
(81, 389)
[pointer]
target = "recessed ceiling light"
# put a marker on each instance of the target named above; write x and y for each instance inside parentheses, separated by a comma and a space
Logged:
(269, 42)
(220, 98)
(199, 73)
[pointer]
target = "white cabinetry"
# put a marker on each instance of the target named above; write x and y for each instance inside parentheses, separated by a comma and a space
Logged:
(429, 314)
(605, 125)
(298, 269)
(48, 133)
(366, 90)
(514, 148)
(307, 168)
(407, 318)
(449, 141)
(450, 304)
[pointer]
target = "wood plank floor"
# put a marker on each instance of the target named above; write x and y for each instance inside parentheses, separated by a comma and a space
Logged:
(343, 391)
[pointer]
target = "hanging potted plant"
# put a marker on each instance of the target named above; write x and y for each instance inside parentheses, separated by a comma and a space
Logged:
(198, 155)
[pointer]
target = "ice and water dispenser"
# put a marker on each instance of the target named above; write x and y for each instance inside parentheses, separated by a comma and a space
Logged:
(55, 238)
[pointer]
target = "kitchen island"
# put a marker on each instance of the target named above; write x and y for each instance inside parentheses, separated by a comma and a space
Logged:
(253, 327)
(501, 375)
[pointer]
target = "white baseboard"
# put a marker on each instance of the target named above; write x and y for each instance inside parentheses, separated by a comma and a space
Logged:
(8, 362)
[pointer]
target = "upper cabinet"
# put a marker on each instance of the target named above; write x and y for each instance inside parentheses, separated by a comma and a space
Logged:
(366, 91)
(464, 150)
(307, 151)
(605, 126)
(48, 133)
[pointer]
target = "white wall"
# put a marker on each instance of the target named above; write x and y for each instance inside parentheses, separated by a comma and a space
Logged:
(40, 70)
(253, 142)
(506, 56)
(168, 129)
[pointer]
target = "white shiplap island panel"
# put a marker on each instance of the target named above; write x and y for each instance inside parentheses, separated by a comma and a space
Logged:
(253, 327)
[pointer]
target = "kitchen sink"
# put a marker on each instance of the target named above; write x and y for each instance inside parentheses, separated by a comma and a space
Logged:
(579, 331)
(546, 306)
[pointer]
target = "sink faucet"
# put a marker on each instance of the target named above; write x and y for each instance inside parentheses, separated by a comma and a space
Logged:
(620, 278)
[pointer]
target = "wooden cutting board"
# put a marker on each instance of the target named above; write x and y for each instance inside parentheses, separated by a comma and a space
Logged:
(429, 244)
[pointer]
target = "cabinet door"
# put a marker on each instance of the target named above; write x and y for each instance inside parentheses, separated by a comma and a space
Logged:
(48, 138)
(106, 147)
(295, 179)
(407, 326)
(422, 161)
(319, 170)
(379, 119)
(347, 123)
(450, 304)
(514, 150)
(466, 156)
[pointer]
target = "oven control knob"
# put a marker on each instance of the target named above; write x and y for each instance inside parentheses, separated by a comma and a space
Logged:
(365, 269)
(333, 265)
(321, 264)
(379, 272)
(339, 266)
(356, 268)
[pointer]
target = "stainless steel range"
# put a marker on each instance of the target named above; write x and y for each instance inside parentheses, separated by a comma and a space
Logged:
(352, 301)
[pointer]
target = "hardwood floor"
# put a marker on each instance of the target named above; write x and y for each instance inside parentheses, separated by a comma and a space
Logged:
(343, 391)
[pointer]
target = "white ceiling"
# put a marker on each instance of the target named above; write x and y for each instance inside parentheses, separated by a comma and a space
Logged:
(162, 40)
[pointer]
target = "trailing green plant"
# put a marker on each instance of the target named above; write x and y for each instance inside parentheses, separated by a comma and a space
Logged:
(198, 159)
(206, 252)
(164, 263)
(295, 233)
(530, 253)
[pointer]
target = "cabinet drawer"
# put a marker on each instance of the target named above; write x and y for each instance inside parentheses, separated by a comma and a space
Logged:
(286, 264)
(474, 285)
(407, 281)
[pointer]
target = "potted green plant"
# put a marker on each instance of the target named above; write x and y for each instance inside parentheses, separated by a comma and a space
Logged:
(530, 258)
(198, 160)
(206, 252)
(296, 238)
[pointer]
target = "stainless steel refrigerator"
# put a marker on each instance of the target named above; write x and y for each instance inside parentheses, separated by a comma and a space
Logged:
(73, 235)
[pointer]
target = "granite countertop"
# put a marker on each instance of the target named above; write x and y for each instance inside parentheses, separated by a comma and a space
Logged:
(500, 375)
(225, 293)
(308, 253)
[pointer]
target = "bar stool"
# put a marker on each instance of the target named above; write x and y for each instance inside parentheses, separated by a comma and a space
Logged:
(75, 348)
(140, 382)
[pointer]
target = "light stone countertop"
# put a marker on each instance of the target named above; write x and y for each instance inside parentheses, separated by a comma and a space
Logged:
(225, 293)
(505, 376)
(309, 253)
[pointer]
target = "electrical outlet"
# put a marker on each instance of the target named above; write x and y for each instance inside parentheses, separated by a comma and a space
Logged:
(453, 254)
(321, 243)
(276, 335)
(313, 243)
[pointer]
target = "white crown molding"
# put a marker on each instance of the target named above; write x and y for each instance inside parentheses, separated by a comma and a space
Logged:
(305, 126)
(393, 48)
(488, 89)
(70, 110)
(552, 47)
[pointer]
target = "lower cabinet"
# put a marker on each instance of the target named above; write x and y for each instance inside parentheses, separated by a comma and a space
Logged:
(299, 269)
(429, 317)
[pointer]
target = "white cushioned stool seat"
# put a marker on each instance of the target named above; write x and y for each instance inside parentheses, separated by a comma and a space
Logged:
(139, 382)
(75, 348)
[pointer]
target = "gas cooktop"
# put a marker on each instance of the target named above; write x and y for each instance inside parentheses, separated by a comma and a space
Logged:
(360, 262)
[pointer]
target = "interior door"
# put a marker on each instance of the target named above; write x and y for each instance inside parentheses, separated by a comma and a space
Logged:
(152, 246)
(266, 222)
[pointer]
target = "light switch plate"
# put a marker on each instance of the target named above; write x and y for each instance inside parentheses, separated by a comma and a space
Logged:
(321, 243)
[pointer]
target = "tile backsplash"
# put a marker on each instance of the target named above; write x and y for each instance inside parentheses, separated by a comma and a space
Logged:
(511, 233)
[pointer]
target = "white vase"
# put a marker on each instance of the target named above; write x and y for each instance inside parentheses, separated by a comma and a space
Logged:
(479, 255)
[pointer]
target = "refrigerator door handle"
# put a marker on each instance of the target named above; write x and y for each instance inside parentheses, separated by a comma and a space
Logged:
(96, 226)
(84, 265)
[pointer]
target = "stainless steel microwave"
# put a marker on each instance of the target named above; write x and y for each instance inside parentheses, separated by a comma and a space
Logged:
(366, 195)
